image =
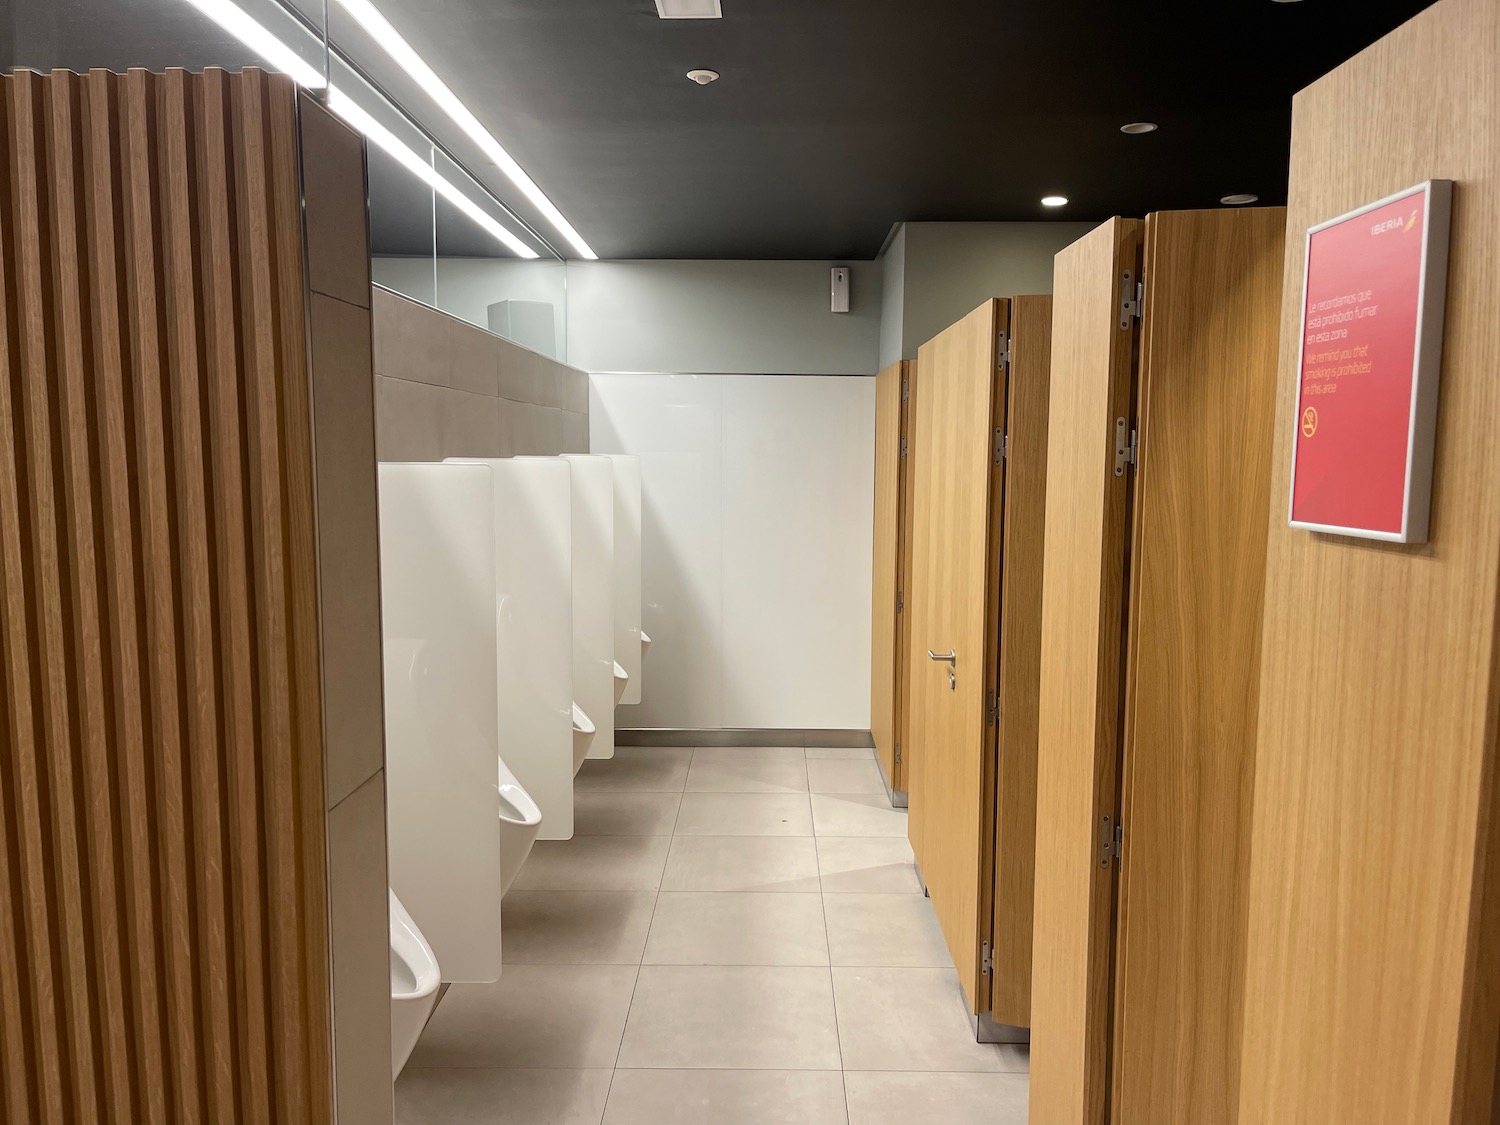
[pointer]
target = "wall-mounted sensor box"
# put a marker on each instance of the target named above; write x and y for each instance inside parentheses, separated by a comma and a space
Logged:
(839, 288)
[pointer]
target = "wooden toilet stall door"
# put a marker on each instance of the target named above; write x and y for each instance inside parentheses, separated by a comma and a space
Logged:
(957, 480)
(1079, 724)
(888, 588)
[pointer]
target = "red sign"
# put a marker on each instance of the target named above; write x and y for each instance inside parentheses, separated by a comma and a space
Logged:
(1372, 319)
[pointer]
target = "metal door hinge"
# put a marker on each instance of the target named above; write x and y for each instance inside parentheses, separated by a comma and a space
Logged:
(986, 958)
(1119, 841)
(1132, 299)
(903, 447)
(1000, 446)
(898, 753)
(1126, 441)
(1106, 841)
(992, 709)
(900, 602)
(1002, 351)
(905, 389)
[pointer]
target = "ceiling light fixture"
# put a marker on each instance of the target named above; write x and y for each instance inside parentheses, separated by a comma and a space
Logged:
(234, 20)
(435, 88)
(281, 57)
(384, 139)
(1136, 128)
(1054, 201)
(703, 77)
(689, 9)
(1240, 199)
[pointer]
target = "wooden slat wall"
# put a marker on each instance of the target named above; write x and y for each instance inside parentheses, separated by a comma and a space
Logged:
(1372, 983)
(163, 915)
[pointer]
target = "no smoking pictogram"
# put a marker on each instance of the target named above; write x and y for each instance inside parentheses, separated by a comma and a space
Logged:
(1309, 422)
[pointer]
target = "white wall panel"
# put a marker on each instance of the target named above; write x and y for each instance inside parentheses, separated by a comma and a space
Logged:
(673, 423)
(437, 593)
(593, 487)
(534, 619)
(798, 497)
(627, 474)
(757, 500)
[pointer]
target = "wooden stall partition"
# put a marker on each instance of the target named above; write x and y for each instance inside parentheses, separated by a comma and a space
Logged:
(164, 907)
(1078, 726)
(1023, 526)
(1209, 336)
(957, 480)
(1372, 986)
(888, 617)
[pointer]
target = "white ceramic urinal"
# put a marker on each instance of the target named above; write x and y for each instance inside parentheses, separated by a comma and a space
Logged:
(414, 984)
(520, 821)
(583, 737)
(622, 678)
(645, 644)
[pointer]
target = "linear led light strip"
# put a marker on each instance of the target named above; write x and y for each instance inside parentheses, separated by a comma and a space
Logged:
(234, 20)
(408, 60)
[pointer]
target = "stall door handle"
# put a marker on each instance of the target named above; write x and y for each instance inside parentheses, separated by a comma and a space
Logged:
(951, 656)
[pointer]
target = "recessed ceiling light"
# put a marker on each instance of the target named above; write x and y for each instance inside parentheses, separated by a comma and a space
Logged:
(1054, 201)
(689, 9)
(703, 77)
(1241, 198)
(1135, 128)
(435, 88)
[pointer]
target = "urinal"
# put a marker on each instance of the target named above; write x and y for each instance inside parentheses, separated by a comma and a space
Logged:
(414, 984)
(645, 644)
(583, 737)
(520, 821)
(622, 678)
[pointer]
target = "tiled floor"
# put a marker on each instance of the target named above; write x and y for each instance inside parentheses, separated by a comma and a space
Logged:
(733, 937)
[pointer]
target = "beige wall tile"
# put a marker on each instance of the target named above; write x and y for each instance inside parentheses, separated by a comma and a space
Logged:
(411, 341)
(360, 932)
(333, 188)
(471, 425)
(408, 420)
(520, 373)
(348, 543)
(575, 432)
(473, 357)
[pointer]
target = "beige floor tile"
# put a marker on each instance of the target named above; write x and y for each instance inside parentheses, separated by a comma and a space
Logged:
(740, 771)
(609, 812)
(884, 930)
(839, 775)
(953, 1099)
(595, 863)
(484, 1096)
(745, 1018)
(847, 753)
(765, 753)
(575, 927)
(741, 863)
(867, 865)
(737, 929)
(857, 814)
(638, 769)
(744, 814)
(534, 1015)
(726, 1097)
(911, 1019)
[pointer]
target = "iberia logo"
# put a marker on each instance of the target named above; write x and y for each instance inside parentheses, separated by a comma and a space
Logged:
(1411, 222)
(1396, 224)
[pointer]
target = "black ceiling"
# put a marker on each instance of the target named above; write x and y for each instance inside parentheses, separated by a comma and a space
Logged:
(833, 120)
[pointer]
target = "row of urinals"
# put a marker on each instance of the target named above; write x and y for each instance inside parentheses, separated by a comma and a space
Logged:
(416, 971)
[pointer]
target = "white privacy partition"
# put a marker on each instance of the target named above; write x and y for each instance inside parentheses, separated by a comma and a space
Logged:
(593, 595)
(437, 594)
(628, 570)
(534, 615)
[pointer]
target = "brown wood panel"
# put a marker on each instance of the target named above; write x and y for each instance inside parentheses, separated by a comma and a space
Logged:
(1078, 725)
(163, 913)
(885, 630)
(1373, 972)
(1028, 402)
(1209, 342)
(956, 480)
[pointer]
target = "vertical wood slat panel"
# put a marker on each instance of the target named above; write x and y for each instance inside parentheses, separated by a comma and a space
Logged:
(163, 928)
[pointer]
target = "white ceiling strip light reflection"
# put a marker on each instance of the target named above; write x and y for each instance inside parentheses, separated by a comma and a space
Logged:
(379, 135)
(234, 20)
(408, 60)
